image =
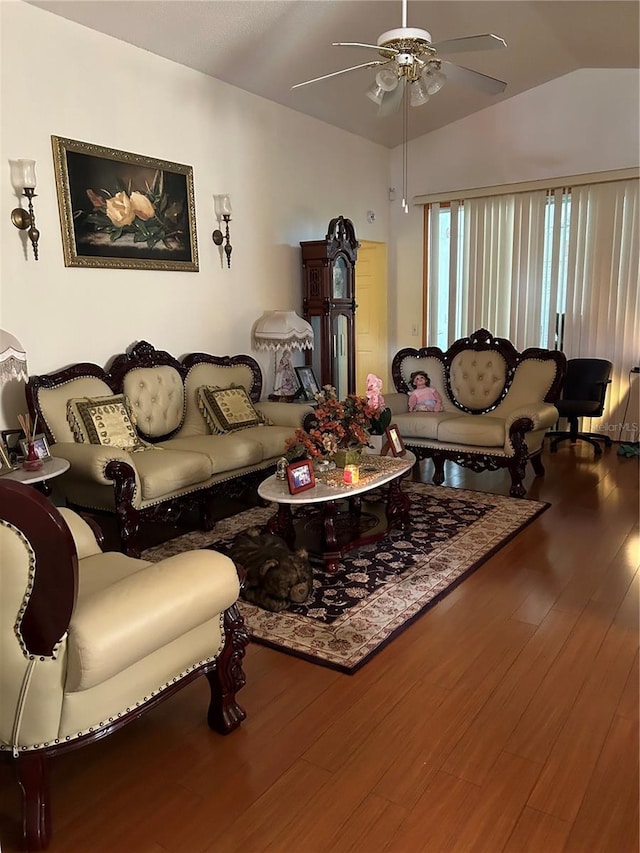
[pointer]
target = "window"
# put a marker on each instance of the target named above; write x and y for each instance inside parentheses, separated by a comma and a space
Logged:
(453, 301)
(551, 267)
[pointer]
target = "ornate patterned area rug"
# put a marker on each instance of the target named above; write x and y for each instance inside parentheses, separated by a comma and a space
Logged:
(379, 589)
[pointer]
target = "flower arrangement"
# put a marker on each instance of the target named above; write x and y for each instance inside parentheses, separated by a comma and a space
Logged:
(150, 216)
(336, 425)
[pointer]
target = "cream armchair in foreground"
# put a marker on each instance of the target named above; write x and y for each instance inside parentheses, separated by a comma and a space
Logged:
(91, 640)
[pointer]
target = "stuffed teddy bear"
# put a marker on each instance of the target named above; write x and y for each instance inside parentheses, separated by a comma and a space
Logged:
(276, 576)
(374, 387)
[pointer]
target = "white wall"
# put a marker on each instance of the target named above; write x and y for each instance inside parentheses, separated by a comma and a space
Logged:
(587, 121)
(287, 175)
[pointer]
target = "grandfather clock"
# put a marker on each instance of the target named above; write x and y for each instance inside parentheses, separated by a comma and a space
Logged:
(329, 304)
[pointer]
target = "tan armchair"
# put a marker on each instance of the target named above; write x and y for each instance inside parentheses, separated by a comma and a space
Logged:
(91, 640)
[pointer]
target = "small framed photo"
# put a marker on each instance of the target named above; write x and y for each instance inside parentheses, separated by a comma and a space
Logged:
(5, 463)
(394, 441)
(308, 382)
(41, 447)
(301, 476)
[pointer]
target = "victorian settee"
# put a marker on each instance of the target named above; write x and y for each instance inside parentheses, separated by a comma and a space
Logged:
(92, 640)
(497, 405)
(153, 435)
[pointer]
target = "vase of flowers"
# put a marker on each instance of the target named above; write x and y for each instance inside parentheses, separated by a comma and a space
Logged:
(335, 429)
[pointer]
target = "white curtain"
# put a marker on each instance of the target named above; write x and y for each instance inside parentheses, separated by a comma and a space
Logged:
(523, 265)
(504, 251)
(603, 303)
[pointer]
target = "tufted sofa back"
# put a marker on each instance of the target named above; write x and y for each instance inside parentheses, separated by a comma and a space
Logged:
(52, 404)
(483, 374)
(161, 389)
(477, 379)
(156, 397)
(435, 370)
(218, 376)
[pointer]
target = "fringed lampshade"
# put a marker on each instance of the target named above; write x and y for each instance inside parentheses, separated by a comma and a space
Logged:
(283, 330)
(13, 358)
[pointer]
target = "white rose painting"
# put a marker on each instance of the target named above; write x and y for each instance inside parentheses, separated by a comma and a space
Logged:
(124, 210)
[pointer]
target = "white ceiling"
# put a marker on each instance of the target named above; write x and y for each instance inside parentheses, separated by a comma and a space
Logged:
(265, 46)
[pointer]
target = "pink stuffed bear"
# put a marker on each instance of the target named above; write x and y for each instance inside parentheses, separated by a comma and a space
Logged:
(374, 386)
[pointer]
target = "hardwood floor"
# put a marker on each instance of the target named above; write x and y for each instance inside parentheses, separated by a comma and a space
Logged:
(505, 719)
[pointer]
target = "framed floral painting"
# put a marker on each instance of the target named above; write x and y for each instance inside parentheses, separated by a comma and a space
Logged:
(124, 210)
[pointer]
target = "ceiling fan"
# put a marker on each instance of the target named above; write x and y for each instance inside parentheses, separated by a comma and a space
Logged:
(410, 61)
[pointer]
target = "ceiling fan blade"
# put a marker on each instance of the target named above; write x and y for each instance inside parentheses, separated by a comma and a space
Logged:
(474, 79)
(343, 71)
(391, 50)
(462, 45)
(392, 100)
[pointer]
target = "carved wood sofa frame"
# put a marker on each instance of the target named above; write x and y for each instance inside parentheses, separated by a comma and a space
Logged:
(482, 341)
(141, 355)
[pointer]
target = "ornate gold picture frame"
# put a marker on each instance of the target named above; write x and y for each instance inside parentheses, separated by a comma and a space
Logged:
(124, 210)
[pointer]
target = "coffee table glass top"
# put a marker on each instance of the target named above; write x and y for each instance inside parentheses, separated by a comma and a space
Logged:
(374, 471)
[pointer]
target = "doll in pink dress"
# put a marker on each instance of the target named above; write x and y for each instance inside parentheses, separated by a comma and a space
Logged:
(423, 398)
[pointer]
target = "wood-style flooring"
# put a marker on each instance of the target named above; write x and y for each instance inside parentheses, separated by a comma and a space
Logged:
(504, 719)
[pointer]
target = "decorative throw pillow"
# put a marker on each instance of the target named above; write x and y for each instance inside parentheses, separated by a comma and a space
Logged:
(227, 409)
(104, 420)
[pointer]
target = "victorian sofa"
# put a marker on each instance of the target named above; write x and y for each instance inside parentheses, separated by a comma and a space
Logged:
(497, 405)
(92, 640)
(154, 435)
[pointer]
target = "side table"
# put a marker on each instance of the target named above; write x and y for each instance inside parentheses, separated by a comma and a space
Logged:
(50, 468)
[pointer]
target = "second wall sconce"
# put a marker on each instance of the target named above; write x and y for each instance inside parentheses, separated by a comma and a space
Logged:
(223, 212)
(24, 177)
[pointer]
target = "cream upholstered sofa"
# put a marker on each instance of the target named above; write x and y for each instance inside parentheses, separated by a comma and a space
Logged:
(497, 405)
(166, 458)
(91, 640)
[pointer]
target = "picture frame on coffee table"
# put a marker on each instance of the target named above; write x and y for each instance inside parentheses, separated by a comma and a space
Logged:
(394, 443)
(300, 476)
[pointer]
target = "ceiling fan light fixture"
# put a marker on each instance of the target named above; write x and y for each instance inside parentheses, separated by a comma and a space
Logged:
(434, 79)
(375, 93)
(418, 94)
(387, 79)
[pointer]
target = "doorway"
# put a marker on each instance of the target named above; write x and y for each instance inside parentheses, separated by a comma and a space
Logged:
(372, 350)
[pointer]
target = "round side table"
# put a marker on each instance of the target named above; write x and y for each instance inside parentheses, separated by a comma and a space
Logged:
(50, 468)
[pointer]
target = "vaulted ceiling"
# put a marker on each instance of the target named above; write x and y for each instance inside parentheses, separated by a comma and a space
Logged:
(265, 46)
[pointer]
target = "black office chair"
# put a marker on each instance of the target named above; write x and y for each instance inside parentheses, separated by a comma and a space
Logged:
(583, 393)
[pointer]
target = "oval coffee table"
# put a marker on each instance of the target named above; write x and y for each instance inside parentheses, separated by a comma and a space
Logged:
(343, 520)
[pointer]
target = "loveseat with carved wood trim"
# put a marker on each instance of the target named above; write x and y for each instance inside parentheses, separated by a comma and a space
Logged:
(497, 405)
(173, 461)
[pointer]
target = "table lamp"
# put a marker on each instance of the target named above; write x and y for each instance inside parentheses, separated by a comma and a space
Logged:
(282, 331)
(13, 358)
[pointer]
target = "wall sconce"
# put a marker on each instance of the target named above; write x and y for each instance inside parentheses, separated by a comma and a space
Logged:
(223, 211)
(24, 176)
